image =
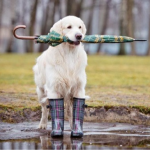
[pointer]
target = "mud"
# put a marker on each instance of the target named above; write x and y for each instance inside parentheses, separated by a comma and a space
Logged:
(102, 114)
(114, 134)
(21, 107)
(16, 116)
(117, 114)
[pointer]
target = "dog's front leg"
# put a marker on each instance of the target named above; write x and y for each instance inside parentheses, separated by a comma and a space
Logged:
(44, 117)
(79, 92)
(78, 111)
(56, 105)
(45, 110)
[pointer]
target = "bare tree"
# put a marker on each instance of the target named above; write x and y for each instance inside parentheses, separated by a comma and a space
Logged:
(60, 9)
(105, 20)
(148, 50)
(47, 23)
(13, 20)
(32, 24)
(45, 19)
(130, 19)
(74, 7)
(79, 8)
(89, 24)
(1, 11)
(69, 7)
(122, 21)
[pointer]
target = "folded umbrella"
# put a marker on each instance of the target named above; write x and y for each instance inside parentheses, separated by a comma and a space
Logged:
(54, 38)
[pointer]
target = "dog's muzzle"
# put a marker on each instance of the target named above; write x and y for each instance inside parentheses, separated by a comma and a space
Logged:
(78, 36)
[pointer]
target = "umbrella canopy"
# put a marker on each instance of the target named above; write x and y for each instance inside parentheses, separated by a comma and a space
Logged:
(54, 38)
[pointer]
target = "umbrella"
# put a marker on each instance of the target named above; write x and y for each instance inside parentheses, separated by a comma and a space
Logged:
(53, 38)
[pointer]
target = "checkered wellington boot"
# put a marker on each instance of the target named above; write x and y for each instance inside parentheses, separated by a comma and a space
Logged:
(57, 116)
(78, 115)
(57, 144)
(76, 144)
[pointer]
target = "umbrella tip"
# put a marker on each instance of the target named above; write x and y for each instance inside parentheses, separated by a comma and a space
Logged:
(139, 40)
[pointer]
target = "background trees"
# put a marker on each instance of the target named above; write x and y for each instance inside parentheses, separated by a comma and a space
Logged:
(148, 50)
(114, 17)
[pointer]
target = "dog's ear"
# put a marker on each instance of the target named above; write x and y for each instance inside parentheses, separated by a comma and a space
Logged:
(83, 28)
(57, 27)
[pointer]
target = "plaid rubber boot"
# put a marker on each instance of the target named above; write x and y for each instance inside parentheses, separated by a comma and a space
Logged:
(57, 116)
(57, 144)
(78, 116)
(76, 144)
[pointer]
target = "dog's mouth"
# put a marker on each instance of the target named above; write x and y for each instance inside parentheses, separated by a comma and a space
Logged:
(74, 42)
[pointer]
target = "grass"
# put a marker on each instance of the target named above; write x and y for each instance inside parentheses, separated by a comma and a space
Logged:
(118, 71)
(111, 81)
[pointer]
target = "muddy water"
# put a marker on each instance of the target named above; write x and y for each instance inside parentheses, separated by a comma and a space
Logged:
(44, 142)
(96, 136)
(60, 145)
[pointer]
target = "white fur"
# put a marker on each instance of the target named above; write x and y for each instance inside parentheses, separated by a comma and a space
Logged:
(60, 71)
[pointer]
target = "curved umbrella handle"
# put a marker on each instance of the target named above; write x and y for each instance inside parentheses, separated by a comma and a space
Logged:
(23, 37)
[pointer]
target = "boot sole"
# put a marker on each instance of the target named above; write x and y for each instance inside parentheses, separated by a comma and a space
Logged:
(57, 135)
(76, 135)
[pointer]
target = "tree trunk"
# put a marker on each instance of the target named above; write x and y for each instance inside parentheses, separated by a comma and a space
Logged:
(51, 15)
(1, 12)
(32, 25)
(54, 10)
(130, 5)
(44, 24)
(12, 24)
(89, 24)
(74, 7)
(48, 23)
(69, 7)
(148, 50)
(79, 8)
(122, 26)
(60, 9)
(105, 20)
(9, 47)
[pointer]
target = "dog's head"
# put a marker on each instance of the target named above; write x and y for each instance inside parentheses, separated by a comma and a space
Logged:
(72, 27)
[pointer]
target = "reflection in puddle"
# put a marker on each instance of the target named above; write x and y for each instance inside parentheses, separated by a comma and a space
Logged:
(89, 142)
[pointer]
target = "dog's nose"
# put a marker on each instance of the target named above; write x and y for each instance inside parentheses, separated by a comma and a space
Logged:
(78, 36)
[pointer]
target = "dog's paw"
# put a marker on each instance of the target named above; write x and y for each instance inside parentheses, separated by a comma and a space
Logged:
(42, 126)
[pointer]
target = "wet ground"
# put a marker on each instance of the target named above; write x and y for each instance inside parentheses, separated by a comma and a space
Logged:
(96, 136)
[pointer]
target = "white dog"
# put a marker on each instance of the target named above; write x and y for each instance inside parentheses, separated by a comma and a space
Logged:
(60, 71)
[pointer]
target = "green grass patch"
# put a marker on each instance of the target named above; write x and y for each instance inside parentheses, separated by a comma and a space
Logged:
(118, 71)
(111, 81)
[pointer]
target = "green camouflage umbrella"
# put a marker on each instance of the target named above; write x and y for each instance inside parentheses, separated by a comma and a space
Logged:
(54, 38)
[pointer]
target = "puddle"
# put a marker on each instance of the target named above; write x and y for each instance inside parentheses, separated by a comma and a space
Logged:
(46, 143)
(96, 136)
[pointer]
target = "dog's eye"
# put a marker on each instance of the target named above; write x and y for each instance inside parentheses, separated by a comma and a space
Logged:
(69, 27)
(79, 27)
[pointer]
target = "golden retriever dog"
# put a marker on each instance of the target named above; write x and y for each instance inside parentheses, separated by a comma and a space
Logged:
(60, 71)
